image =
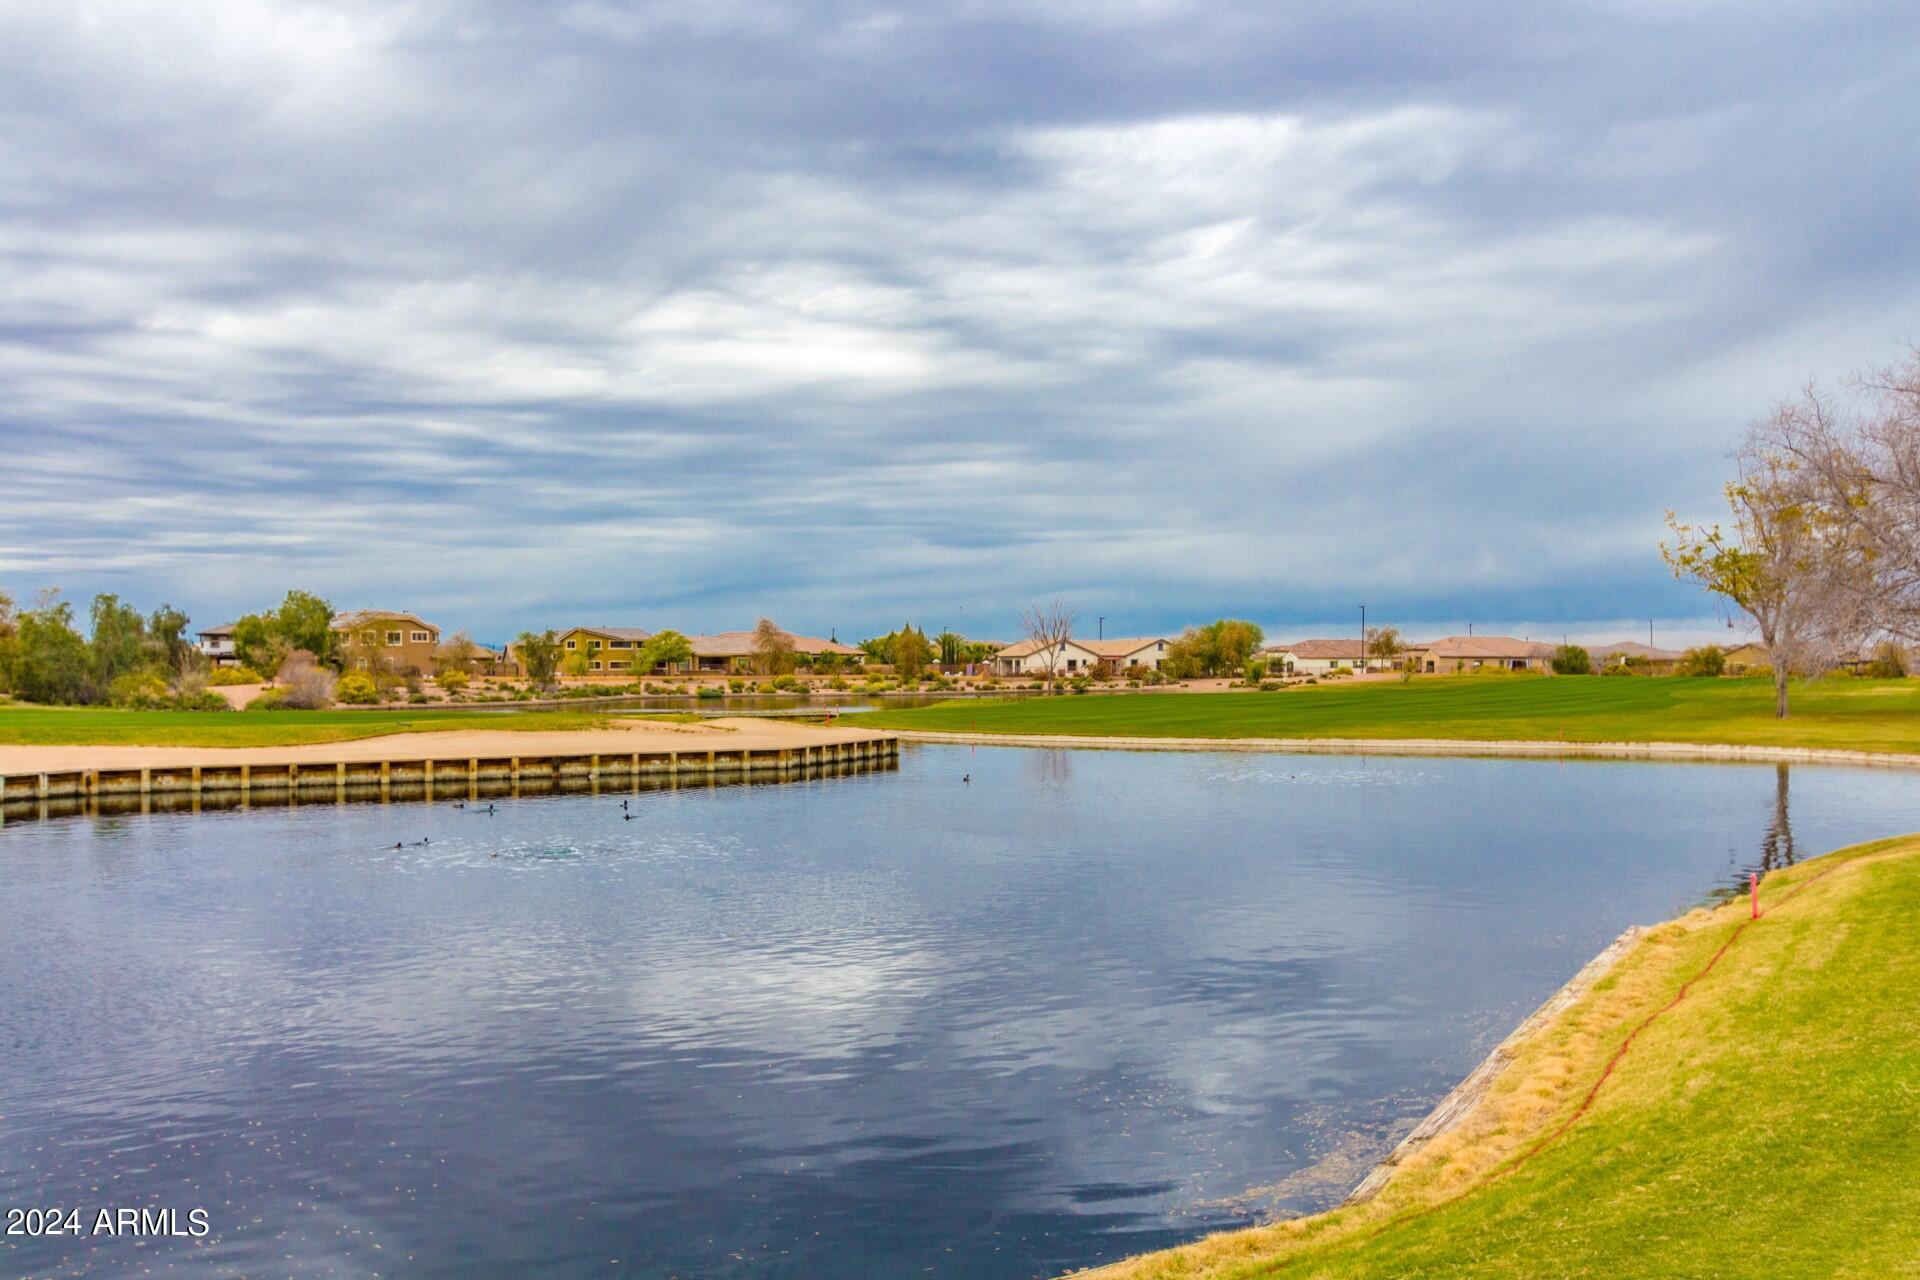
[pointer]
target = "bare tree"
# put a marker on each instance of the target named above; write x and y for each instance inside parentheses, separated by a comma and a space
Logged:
(457, 652)
(772, 648)
(1784, 564)
(1860, 457)
(1048, 628)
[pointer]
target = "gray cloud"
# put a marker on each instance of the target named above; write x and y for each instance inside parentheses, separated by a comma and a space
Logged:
(851, 314)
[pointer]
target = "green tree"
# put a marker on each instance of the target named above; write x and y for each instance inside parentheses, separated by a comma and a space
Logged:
(1219, 648)
(1384, 644)
(668, 649)
(1572, 660)
(52, 664)
(9, 643)
(305, 621)
(167, 631)
(258, 645)
(909, 652)
(540, 655)
(953, 648)
(119, 645)
(1707, 660)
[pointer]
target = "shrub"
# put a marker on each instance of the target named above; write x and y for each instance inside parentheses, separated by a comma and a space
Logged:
(140, 691)
(839, 683)
(788, 684)
(267, 700)
(453, 680)
(1572, 660)
(357, 689)
(737, 685)
(306, 685)
(203, 700)
(1887, 663)
(710, 691)
(1707, 660)
(227, 677)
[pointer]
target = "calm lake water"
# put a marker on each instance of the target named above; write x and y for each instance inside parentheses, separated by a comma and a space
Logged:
(890, 1025)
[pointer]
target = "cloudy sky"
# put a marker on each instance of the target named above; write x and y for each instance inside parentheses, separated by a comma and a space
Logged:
(681, 314)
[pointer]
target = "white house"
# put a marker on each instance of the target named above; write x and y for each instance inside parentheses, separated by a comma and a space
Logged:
(1133, 651)
(1317, 657)
(1030, 658)
(217, 644)
(1079, 657)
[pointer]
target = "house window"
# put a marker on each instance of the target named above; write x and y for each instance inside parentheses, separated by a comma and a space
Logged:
(393, 637)
(620, 644)
(593, 666)
(572, 644)
(616, 666)
(421, 637)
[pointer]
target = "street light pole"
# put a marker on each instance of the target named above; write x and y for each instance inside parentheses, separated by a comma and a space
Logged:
(1363, 639)
(1103, 626)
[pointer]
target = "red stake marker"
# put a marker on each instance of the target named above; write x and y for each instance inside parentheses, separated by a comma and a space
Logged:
(1753, 883)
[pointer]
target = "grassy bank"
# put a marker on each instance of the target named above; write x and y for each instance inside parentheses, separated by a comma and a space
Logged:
(83, 726)
(1859, 715)
(1766, 1125)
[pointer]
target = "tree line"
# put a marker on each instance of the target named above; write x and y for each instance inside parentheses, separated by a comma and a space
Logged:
(128, 658)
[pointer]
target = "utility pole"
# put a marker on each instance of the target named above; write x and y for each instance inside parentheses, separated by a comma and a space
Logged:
(1363, 639)
(1103, 626)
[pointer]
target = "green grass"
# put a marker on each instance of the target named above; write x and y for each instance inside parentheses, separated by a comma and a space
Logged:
(1768, 1125)
(76, 726)
(1864, 715)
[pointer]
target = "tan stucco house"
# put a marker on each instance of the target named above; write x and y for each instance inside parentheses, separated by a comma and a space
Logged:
(401, 641)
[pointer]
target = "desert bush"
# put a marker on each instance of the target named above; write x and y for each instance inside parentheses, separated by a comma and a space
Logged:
(140, 691)
(709, 691)
(789, 684)
(356, 688)
(226, 677)
(306, 685)
(737, 685)
(204, 700)
(267, 700)
(1707, 660)
(1572, 660)
(1888, 662)
(417, 698)
(453, 679)
(839, 684)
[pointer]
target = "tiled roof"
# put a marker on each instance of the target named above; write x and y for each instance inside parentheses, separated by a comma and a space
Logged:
(360, 617)
(739, 644)
(1487, 647)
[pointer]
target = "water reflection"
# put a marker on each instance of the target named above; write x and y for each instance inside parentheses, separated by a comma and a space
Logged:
(1777, 849)
(880, 1025)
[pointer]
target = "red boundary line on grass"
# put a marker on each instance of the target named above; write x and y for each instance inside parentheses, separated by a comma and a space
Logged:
(1607, 1072)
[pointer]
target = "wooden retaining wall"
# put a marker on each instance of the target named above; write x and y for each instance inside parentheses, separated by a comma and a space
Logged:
(303, 778)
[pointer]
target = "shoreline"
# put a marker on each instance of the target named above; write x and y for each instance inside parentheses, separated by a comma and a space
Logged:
(1510, 747)
(1461, 1124)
